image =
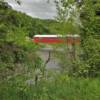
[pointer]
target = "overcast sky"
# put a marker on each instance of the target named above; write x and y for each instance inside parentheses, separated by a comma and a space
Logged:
(35, 8)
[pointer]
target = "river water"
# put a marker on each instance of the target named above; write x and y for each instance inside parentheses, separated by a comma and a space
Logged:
(44, 54)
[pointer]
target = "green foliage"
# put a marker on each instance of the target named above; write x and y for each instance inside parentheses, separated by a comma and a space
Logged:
(63, 7)
(59, 87)
(18, 59)
(68, 12)
(88, 62)
(90, 37)
(17, 51)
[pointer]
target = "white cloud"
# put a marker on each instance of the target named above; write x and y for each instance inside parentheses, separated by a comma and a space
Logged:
(35, 8)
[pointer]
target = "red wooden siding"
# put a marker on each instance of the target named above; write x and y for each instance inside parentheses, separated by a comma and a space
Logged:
(70, 39)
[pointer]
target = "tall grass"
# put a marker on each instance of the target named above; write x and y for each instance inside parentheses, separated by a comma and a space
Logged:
(60, 87)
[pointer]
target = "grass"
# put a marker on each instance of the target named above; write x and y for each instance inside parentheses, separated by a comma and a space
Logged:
(60, 87)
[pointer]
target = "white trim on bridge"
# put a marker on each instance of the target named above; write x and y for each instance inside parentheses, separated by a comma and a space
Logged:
(69, 35)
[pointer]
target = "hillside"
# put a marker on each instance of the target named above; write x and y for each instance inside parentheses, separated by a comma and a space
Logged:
(17, 23)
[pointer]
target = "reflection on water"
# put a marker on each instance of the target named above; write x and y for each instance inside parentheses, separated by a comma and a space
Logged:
(53, 63)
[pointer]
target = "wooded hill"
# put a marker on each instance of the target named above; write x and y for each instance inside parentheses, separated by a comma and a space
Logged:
(17, 23)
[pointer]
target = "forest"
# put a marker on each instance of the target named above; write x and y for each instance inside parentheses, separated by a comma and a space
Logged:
(22, 71)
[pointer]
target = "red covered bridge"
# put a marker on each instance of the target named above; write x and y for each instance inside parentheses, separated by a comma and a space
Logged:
(69, 39)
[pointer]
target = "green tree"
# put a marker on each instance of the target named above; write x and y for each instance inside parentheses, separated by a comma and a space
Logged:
(68, 15)
(67, 10)
(90, 17)
(89, 63)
